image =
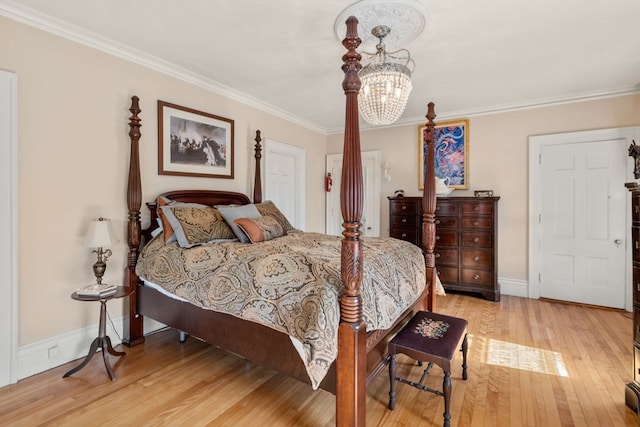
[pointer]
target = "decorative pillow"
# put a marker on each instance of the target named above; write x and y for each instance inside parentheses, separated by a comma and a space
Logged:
(231, 213)
(268, 208)
(169, 235)
(260, 229)
(194, 224)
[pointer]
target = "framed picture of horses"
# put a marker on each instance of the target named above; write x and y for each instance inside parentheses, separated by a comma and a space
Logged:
(194, 143)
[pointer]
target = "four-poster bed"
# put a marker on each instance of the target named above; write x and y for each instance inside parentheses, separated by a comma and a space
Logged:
(361, 354)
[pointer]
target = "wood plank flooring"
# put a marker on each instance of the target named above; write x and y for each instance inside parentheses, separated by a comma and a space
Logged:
(531, 363)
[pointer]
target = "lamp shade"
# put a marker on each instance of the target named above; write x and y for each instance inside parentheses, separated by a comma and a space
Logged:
(99, 234)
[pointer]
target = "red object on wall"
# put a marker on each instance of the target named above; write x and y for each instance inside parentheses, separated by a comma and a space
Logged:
(328, 182)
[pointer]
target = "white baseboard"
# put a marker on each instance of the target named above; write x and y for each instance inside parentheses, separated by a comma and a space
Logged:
(56, 351)
(514, 287)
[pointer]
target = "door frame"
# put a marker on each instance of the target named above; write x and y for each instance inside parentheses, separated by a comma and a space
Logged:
(298, 154)
(332, 199)
(536, 143)
(8, 227)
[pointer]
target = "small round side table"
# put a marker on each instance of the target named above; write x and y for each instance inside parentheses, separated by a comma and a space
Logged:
(102, 341)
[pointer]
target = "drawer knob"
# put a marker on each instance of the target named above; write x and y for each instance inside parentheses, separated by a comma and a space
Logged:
(476, 208)
(437, 221)
(437, 255)
(404, 220)
(476, 239)
(404, 208)
(437, 237)
(476, 223)
(638, 286)
(404, 234)
(476, 258)
(476, 277)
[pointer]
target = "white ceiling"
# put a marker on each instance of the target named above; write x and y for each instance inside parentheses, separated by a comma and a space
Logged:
(473, 57)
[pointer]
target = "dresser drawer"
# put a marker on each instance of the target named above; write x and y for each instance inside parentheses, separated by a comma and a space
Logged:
(636, 364)
(477, 239)
(636, 285)
(635, 208)
(446, 237)
(445, 256)
(636, 325)
(477, 223)
(446, 208)
(635, 242)
(448, 274)
(447, 221)
(476, 277)
(404, 220)
(408, 234)
(477, 208)
(477, 259)
(404, 208)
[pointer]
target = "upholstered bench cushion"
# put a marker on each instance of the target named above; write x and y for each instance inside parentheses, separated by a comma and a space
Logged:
(430, 333)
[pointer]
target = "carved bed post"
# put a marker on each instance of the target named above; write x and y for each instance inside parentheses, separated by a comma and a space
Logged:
(257, 181)
(351, 362)
(133, 330)
(429, 207)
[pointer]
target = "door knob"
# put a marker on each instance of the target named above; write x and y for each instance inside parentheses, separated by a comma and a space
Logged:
(618, 242)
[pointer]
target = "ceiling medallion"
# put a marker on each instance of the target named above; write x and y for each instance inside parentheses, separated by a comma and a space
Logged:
(407, 18)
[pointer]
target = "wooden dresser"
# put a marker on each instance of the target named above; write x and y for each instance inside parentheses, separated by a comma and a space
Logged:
(632, 390)
(466, 239)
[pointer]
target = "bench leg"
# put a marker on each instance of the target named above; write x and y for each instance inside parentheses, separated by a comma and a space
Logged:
(446, 390)
(464, 357)
(392, 381)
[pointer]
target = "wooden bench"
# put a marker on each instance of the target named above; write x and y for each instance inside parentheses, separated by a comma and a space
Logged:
(432, 338)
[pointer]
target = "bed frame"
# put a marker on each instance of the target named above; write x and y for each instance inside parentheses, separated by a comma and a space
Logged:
(361, 355)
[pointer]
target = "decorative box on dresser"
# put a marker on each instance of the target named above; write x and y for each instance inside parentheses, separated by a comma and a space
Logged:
(466, 239)
(632, 390)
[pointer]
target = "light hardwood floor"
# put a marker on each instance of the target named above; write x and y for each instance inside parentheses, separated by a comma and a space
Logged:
(531, 363)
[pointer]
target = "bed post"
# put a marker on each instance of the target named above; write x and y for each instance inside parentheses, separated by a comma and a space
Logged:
(429, 207)
(133, 330)
(257, 181)
(352, 351)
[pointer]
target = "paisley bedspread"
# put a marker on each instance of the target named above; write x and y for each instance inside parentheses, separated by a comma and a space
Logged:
(291, 284)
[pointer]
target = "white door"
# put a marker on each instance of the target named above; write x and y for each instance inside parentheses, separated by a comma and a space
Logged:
(581, 220)
(284, 180)
(8, 228)
(371, 183)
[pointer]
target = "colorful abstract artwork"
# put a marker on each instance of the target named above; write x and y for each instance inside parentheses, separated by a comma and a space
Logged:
(451, 153)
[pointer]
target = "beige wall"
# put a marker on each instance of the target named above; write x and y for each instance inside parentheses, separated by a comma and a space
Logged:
(73, 151)
(498, 160)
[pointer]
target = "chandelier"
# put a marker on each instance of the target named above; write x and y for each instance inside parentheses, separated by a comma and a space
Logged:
(385, 82)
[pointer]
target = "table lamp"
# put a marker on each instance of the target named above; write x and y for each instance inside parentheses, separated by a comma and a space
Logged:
(100, 235)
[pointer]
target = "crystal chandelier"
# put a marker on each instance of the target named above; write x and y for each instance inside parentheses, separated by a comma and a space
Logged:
(386, 82)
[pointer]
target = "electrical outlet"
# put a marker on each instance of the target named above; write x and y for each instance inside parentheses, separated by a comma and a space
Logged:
(52, 352)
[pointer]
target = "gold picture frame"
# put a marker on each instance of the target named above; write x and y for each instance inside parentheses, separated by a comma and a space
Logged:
(452, 153)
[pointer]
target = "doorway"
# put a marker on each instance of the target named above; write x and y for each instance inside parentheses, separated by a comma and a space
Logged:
(8, 227)
(371, 183)
(578, 217)
(284, 180)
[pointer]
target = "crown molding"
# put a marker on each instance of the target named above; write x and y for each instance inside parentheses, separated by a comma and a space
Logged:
(16, 12)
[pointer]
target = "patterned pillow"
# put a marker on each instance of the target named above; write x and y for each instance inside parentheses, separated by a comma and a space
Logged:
(194, 224)
(268, 208)
(232, 212)
(169, 235)
(260, 229)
